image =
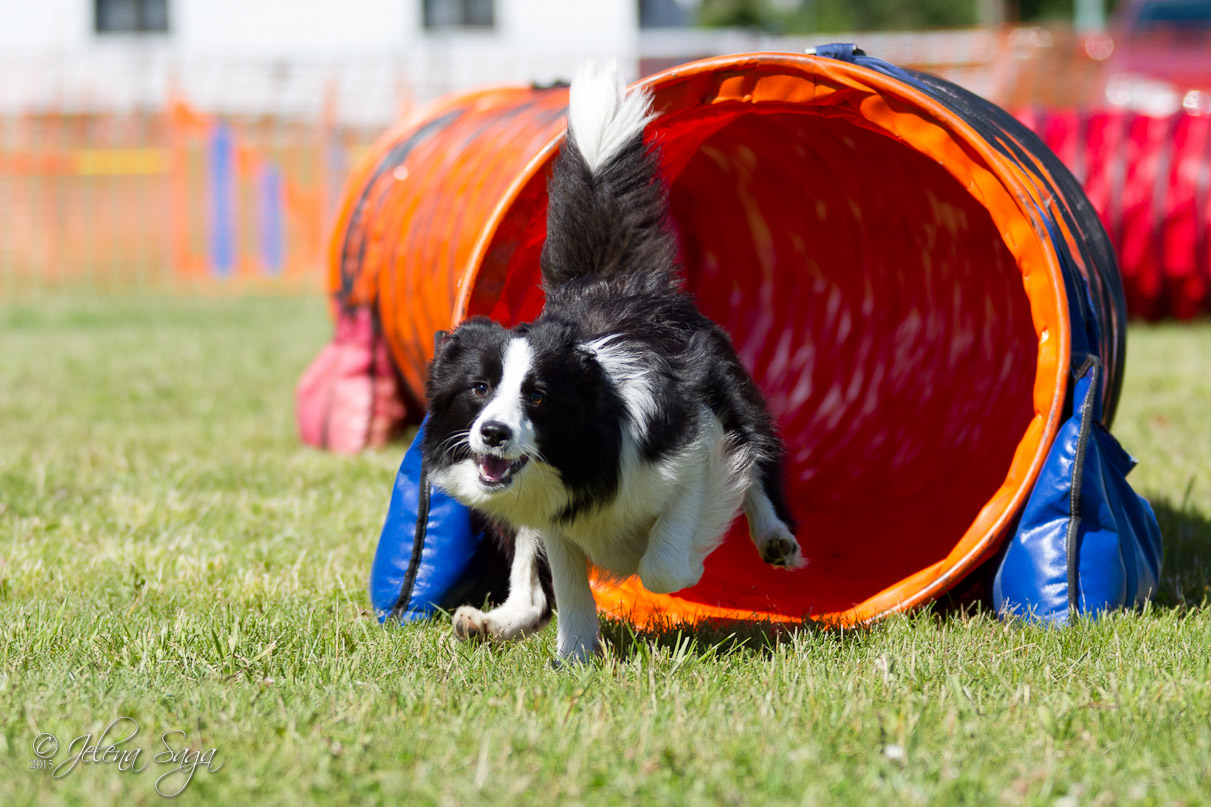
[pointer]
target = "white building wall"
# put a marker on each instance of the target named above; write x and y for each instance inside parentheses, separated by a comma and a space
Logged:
(31, 26)
(590, 27)
(316, 29)
(282, 56)
(299, 29)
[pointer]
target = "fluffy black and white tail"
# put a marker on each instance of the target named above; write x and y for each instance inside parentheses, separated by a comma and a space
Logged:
(608, 205)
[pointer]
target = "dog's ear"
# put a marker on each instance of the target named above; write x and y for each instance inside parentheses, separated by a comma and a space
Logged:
(439, 340)
(443, 341)
(446, 349)
(448, 346)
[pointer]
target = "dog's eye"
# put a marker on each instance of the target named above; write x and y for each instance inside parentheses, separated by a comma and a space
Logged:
(479, 389)
(534, 397)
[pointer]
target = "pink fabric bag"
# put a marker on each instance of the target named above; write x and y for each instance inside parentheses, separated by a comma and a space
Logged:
(349, 397)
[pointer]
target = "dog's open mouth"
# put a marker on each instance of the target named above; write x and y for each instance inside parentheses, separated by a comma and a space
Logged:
(497, 471)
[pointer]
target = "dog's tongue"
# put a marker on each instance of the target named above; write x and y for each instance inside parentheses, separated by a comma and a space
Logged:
(493, 468)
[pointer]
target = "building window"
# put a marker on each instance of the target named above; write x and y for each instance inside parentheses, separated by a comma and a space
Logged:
(458, 14)
(131, 16)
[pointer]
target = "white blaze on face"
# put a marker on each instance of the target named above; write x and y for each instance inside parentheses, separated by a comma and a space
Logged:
(506, 405)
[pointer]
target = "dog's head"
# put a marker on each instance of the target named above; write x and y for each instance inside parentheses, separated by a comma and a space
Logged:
(526, 418)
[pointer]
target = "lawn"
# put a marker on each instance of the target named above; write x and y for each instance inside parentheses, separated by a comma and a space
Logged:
(169, 553)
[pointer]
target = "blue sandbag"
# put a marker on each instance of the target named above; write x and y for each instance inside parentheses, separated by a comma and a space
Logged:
(453, 562)
(1086, 542)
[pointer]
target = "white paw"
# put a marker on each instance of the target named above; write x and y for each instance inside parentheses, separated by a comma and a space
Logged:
(470, 623)
(579, 651)
(779, 548)
(660, 577)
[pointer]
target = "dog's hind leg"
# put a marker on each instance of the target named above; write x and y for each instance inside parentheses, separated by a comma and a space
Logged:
(526, 609)
(771, 535)
(719, 472)
(672, 560)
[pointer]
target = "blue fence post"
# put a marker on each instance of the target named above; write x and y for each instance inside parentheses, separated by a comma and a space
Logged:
(273, 241)
(338, 166)
(222, 201)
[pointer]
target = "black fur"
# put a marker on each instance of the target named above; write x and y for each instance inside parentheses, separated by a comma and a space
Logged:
(608, 225)
(609, 268)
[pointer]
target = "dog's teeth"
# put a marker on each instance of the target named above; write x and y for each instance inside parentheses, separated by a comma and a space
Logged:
(494, 470)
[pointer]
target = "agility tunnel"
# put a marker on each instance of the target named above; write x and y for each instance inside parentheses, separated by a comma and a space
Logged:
(920, 288)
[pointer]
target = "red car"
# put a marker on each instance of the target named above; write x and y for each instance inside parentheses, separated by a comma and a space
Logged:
(1157, 57)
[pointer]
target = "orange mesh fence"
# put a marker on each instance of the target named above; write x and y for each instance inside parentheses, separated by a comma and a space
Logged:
(157, 193)
(168, 199)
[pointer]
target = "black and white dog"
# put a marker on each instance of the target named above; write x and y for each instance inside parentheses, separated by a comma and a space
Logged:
(619, 427)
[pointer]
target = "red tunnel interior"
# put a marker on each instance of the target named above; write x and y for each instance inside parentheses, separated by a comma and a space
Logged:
(878, 307)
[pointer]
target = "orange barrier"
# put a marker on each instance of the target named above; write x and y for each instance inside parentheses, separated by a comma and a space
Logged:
(884, 272)
(97, 191)
(140, 199)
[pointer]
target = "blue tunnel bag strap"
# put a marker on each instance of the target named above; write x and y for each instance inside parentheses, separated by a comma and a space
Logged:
(424, 499)
(841, 51)
(1086, 391)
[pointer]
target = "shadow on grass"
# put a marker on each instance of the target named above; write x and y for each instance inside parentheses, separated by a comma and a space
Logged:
(1186, 573)
(714, 637)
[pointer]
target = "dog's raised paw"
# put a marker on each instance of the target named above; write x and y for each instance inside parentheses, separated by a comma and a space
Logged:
(470, 623)
(782, 550)
(666, 578)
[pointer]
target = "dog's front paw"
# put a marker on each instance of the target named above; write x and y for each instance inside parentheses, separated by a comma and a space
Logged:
(779, 548)
(470, 623)
(579, 652)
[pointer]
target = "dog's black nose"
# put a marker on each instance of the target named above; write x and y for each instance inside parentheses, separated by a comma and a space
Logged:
(495, 433)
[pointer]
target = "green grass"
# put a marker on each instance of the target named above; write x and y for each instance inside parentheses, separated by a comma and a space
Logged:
(170, 553)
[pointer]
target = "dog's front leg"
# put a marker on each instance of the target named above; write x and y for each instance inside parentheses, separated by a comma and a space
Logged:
(526, 609)
(577, 623)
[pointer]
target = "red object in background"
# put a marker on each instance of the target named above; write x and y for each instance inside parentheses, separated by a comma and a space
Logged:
(348, 398)
(1149, 178)
(1149, 156)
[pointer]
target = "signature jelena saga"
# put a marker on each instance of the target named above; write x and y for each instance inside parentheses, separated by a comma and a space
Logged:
(106, 750)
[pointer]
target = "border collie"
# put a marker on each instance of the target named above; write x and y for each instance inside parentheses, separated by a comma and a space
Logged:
(618, 428)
